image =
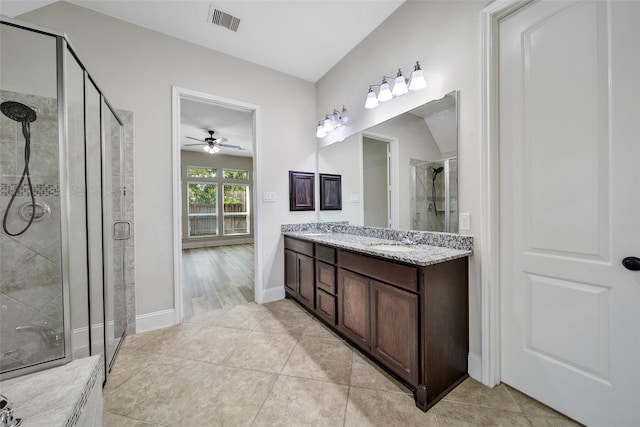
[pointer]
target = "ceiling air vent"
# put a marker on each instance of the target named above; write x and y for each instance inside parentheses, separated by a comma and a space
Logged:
(223, 19)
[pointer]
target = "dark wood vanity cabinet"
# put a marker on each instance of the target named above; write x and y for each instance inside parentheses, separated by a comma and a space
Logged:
(381, 319)
(300, 272)
(411, 320)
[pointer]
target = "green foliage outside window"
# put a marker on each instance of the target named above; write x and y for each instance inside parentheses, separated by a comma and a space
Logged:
(201, 173)
(235, 174)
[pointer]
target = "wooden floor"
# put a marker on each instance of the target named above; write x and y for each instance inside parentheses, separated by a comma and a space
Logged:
(216, 279)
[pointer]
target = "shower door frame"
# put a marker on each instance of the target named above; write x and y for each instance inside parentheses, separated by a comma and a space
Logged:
(63, 47)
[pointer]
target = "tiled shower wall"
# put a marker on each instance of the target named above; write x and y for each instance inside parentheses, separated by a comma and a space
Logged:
(129, 250)
(30, 274)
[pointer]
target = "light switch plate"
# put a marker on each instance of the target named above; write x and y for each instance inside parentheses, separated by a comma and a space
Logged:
(355, 198)
(269, 197)
(465, 221)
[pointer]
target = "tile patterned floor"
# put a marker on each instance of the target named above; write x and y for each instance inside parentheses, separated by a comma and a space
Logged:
(275, 365)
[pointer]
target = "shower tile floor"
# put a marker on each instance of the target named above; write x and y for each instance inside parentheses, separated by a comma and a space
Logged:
(274, 364)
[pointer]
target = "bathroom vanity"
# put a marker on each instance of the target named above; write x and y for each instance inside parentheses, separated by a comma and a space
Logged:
(403, 303)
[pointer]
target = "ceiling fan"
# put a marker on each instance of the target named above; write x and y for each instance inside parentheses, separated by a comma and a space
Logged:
(212, 145)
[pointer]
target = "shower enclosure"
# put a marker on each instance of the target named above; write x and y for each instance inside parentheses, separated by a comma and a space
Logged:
(435, 195)
(62, 269)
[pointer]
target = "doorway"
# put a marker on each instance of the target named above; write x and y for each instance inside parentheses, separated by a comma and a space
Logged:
(380, 207)
(558, 303)
(210, 223)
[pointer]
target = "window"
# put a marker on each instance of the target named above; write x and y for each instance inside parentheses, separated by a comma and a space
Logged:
(236, 209)
(207, 190)
(193, 172)
(235, 174)
(203, 209)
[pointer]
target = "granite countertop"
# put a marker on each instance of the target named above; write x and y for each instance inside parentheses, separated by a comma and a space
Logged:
(415, 254)
(56, 396)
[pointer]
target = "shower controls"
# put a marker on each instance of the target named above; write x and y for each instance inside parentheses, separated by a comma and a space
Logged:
(42, 211)
(631, 263)
(6, 414)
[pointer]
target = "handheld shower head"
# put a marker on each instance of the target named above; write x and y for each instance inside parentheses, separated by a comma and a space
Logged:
(437, 170)
(18, 112)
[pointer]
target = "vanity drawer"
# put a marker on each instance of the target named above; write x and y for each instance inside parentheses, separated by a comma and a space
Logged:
(402, 276)
(299, 246)
(326, 306)
(326, 277)
(326, 254)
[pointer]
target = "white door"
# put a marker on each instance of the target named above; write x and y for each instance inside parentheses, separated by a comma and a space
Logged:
(569, 94)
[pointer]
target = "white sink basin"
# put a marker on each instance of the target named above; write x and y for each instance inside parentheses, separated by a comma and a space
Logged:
(392, 248)
(315, 234)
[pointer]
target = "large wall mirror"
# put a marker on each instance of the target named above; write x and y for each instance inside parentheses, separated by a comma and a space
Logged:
(402, 173)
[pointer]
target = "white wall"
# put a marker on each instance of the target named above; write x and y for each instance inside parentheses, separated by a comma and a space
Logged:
(446, 38)
(136, 69)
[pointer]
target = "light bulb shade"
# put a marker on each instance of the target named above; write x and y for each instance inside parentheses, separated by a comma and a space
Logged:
(417, 80)
(205, 148)
(400, 86)
(328, 127)
(215, 149)
(345, 118)
(385, 92)
(372, 100)
(335, 120)
(320, 132)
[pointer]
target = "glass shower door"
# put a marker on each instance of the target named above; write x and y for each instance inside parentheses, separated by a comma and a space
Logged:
(116, 232)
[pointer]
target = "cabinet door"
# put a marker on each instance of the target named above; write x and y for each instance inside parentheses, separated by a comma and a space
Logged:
(353, 307)
(290, 272)
(306, 281)
(394, 329)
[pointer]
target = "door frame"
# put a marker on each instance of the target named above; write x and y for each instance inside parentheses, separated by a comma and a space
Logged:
(490, 224)
(178, 94)
(393, 174)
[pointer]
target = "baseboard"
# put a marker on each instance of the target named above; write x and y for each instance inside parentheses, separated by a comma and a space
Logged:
(475, 367)
(272, 294)
(155, 320)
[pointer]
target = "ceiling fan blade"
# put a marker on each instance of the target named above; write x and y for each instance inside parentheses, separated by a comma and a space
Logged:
(231, 146)
(189, 145)
(221, 140)
(197, 139)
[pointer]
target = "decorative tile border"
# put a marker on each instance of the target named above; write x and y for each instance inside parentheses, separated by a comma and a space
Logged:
(42, 190)
(86, 392)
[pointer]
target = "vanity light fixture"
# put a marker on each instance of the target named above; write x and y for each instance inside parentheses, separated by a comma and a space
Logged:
(401, 86)
(332, 121)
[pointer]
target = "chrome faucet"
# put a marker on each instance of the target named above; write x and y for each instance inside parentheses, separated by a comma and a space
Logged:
(6, 414)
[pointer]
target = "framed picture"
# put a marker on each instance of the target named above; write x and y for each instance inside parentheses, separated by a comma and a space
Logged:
(301, 191)
(330, 192)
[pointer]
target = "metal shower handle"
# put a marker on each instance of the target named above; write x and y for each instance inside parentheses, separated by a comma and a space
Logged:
(115, 234)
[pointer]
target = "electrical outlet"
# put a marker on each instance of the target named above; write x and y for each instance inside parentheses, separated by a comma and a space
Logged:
(465, 221)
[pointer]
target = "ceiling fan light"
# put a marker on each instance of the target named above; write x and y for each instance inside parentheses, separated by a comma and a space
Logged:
(320, 132)
(400, 85)
(385, 92)
(372, 100)
(205, 148)
(214, 149)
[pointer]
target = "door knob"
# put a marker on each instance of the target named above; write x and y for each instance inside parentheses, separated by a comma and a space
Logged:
(631, 263)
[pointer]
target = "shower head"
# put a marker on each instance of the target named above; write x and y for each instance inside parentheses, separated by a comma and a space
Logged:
(18, 112)
(437, 170)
